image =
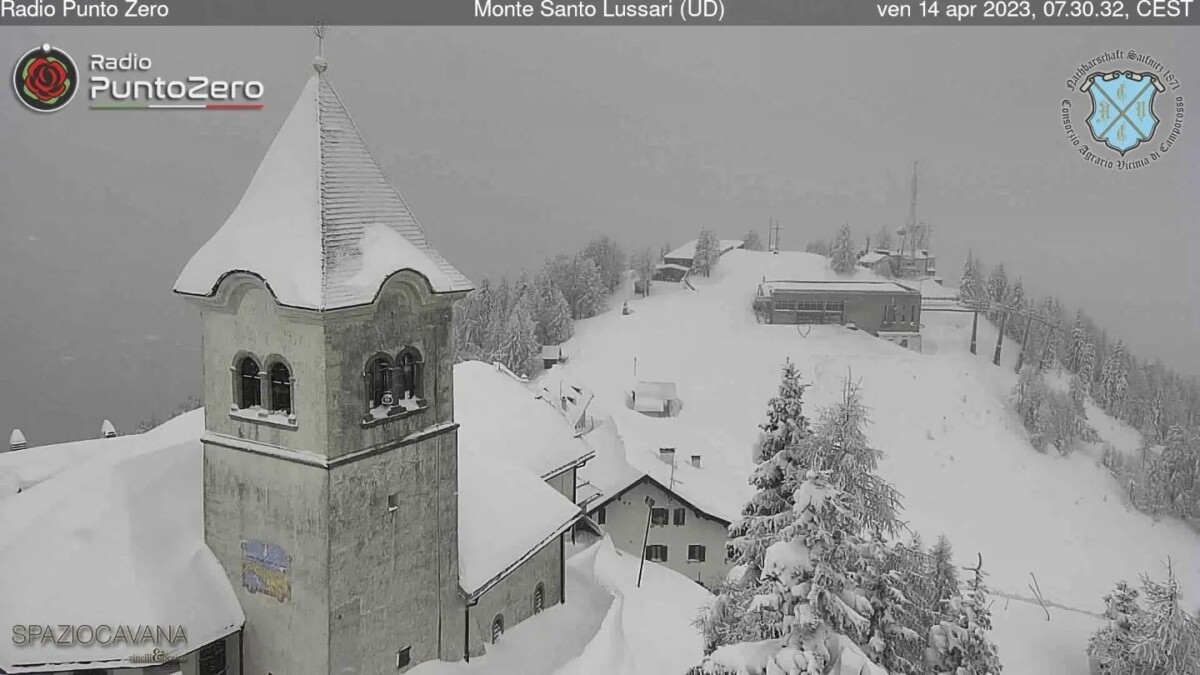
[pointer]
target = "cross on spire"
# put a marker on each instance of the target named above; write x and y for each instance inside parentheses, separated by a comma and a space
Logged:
(319, 63)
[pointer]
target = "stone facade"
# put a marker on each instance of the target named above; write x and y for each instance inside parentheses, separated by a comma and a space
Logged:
(513, 597)
(624, 519)
(338, 531)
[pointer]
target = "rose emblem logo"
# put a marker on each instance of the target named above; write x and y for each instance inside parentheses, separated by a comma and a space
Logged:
(45, 79)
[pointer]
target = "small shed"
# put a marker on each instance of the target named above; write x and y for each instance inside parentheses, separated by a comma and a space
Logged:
(657, 399)
(552, 355)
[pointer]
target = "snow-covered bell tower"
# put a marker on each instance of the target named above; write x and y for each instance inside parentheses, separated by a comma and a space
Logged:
(330, 450)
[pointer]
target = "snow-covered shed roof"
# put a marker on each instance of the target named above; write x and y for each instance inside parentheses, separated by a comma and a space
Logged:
(505, 516)
(110, 531)
(648, 396)
(688, 250)
(672, 266)
(552, 352)
(501, 418)
(872, 258)
(320, 223)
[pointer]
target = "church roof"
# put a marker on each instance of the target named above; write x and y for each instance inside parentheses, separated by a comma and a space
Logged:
(109, 530)
(320, 223)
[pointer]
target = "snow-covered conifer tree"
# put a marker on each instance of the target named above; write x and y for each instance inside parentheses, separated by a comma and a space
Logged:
(519, 349)
(843, 256)
(970, 285)
(839, 444)
(893, 638)
(1156, 637)
(609, 260)
(1112, 646)
(997, 290)
(810, 611)
(589, 300)
(1031, 395)
(943, 577)
(706, 254)
(1114, 378)
(551, 312)
(961, 646)
(785, 426)
(1075, 344)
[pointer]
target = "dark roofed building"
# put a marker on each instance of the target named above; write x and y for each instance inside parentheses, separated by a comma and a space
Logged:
(882, 308)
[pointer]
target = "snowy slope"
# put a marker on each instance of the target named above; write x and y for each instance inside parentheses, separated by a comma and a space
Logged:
(953, 444)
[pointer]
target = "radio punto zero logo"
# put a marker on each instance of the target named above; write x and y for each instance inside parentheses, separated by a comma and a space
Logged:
(45, 79)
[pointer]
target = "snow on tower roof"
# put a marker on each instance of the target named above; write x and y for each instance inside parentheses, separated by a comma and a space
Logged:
(114, 538)
(320, 223)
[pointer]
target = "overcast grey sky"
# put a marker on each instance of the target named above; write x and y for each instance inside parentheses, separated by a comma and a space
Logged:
(515, 143)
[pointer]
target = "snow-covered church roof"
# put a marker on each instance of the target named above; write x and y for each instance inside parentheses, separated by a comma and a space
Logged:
(320, 223)
(109, 532)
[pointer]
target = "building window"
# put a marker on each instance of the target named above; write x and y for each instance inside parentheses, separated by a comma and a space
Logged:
(281, 388)
(379, 385)
(680, 516)
(695, 553)
(403, 657)
(660, 516)
(410, 365)
(393, 501)
(212, 659)
(656, 553)
(601, 516)
(497, 627)
(539, 599)
(250, 394)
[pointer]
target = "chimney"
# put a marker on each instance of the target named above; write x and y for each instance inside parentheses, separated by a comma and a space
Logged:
(107, 430)
(667, 455)
(696, 461)
(17, 440)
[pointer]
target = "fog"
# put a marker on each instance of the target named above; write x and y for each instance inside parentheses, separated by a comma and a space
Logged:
(511, 144)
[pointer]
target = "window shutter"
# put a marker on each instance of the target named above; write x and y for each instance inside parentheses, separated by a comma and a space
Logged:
(700, 551)
(680, 516)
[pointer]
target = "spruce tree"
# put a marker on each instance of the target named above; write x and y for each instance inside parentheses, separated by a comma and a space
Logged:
(961, 646)
(997, 290)
(1075, 345)
(785, 426)
(970, 286)
(519, 350)
(842, 256)
(589, 298)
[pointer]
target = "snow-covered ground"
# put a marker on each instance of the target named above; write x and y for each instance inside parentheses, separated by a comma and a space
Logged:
(954, 446)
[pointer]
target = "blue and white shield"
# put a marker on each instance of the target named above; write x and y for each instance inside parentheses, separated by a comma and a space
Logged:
(1122, 108)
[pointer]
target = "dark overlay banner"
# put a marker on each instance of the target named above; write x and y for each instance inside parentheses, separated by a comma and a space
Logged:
(601, 12)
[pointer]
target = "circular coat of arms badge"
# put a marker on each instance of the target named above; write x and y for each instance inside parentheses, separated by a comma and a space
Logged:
(1127, 112)
(45, 79)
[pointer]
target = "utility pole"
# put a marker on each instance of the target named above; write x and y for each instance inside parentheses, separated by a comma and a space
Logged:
(974, 331)
(1000, 338)
(645, 539)
(1024, 343)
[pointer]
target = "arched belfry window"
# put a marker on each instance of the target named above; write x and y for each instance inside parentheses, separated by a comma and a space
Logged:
(281, 388)
(379, 382)
(497, 627)
(410, 365)
(249, 385)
